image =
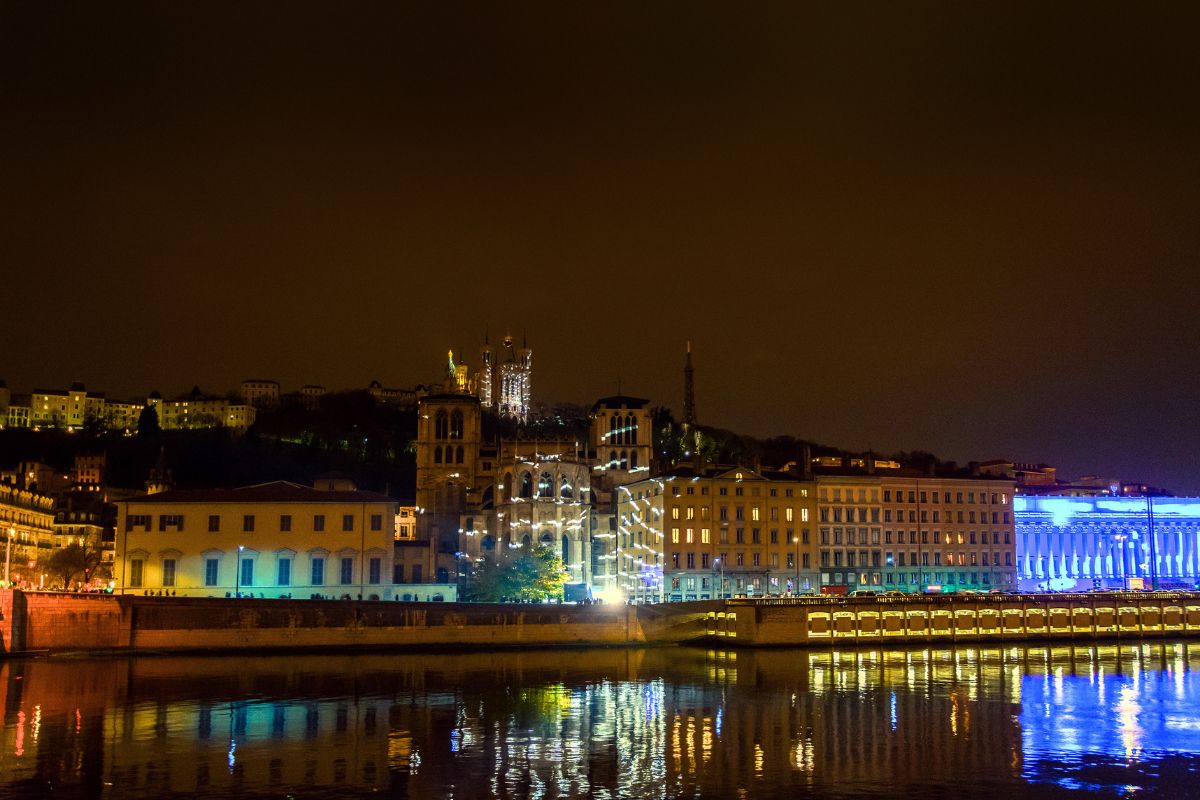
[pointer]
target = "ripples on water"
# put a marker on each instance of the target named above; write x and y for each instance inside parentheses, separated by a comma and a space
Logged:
(1112, 721)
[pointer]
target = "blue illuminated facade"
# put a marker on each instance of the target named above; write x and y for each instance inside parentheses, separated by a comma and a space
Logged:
(1079, 543)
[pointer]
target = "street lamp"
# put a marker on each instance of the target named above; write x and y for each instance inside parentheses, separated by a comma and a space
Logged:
(8, 556)
(237, 573)
(720, 565)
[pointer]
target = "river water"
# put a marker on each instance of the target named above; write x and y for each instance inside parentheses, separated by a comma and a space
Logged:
(1110, 721)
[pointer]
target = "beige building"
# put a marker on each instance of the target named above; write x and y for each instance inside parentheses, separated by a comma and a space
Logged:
(272, 540)
(910, 531)
(27, 524)
(197, 411)
(260, 393)
(69, 408)
(717, 533)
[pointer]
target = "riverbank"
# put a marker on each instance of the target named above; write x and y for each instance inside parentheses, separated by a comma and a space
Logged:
(52, 622)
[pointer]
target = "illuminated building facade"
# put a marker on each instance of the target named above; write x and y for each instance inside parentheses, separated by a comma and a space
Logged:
(914, 532)
(724, 532)
(541, 495)
(516, 373)
(27, 519)
(1078, 543)
(276, 539)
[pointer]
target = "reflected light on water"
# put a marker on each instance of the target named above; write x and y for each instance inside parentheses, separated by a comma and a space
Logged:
(654, 723)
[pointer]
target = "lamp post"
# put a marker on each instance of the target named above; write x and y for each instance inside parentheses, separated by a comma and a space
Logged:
(8, 556)
(237, 573)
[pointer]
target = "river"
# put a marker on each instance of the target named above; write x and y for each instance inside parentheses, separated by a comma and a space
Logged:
(1061, 721)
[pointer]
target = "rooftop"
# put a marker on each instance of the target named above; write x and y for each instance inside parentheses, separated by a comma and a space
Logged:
(273, 492)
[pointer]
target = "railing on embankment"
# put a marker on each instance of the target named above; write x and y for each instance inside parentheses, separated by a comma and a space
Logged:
(972, 618)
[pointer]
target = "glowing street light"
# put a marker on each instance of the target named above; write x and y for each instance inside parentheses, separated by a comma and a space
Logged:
(8, 557)
(237, 573)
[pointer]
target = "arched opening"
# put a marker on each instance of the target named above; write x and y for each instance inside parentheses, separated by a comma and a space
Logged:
(526, 485)
(547, 539)
(441, 425)
(508, 490)
(488, 545)
(546, 485)
(633, 459)
(458, 455)
(437, 454)
(526, 540)
(456, 425)
(566, 550)
(624, 459)
(489, 498)
(564, 488)
(613, 463)
(613, 425)
(632, 427)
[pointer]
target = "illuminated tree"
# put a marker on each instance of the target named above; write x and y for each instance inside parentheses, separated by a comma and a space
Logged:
(527, 573)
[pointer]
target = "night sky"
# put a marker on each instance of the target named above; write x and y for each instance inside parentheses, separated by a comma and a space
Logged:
(964, 227)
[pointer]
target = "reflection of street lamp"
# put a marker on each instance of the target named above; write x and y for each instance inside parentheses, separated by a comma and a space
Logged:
(237, 573)
(721, 571)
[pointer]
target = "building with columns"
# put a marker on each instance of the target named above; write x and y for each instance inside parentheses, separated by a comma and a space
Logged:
(1077, 543)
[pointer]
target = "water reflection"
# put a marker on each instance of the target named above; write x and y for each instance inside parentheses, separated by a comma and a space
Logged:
(661, 722)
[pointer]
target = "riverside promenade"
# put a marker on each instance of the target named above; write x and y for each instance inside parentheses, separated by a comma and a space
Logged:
(33, 622)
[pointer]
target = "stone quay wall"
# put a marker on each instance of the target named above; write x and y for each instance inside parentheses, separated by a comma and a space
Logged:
(971, 618)
(34, 622)
(41, 622)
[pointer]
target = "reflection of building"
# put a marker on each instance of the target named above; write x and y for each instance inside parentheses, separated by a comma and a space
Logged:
(719, 533)
(1104, 542)
(276, 540)
(909, 531)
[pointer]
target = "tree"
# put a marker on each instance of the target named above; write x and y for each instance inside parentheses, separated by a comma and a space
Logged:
(148, 422)
(76, 564)
(530, 573)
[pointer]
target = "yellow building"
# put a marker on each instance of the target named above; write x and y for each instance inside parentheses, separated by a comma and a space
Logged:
(720, 533)
(911, 531)
(276, 539)
(27, 523)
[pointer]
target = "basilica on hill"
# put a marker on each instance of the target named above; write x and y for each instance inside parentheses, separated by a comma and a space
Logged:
(478, 493)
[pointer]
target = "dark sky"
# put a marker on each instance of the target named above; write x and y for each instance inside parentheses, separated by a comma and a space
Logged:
(964, 227)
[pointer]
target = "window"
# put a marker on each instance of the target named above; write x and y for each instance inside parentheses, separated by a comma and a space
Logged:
(214, 523)
(135, 572)
(416, 573)
(374, 568)
(212, 568)
(347, 575)
(318, 522)
(285, 522)
(247, 578)
(168, 576)
(284, 577)
(377, 522)
(318, 571)
(347, 522)
(704, 536)
(248, 522)
(170, 521)
(675, 535)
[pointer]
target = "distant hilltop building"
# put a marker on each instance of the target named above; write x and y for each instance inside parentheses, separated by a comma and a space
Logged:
(260, 393)
(1043, 479)
(504, 380)
(71, 409)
